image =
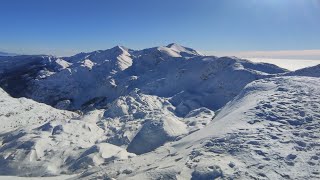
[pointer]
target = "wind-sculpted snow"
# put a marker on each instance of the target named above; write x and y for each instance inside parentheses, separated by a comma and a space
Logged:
(38, 140)
(269, 131)
(154, 133)
(138, 119)
(16, 114)
(160, 113)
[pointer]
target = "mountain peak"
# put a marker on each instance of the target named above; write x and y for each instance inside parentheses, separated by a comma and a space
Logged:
(120, 48)
(171, 45)
(183, 51)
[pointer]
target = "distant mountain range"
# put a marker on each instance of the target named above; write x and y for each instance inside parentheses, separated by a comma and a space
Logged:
(7, 54)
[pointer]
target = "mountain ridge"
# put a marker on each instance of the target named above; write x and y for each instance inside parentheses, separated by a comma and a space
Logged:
(163, 112)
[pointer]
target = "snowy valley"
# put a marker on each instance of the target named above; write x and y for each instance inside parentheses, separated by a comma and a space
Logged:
(166, 112)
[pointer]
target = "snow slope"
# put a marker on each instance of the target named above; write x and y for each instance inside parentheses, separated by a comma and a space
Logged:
(269, 131)
(313, 71)
(165, 112)
(38, 140)
(21, 113)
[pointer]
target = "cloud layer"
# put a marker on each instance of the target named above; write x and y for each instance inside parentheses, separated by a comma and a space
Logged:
(285, 54)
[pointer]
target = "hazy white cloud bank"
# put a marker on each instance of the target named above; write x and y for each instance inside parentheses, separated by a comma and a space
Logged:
(286, 54)
(290, 64)
(289, 59)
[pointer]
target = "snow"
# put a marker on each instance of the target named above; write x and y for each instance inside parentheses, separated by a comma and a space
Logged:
(244, 140)
(95, 79)
(39, 140)
(183, 50)
(87, 63)
(154, 134)
(169, 52)
(313, 71)
(165, 112)
(18, 113)
(64, 64)
(62, 177)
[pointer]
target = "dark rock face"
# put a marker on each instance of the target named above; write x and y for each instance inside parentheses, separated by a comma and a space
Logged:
(17, 72)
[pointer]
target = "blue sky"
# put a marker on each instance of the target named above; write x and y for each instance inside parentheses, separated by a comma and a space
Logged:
(64, 27)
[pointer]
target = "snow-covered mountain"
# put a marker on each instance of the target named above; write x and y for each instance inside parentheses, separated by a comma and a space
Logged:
(165, 112)
(100, 77)
(313, 71)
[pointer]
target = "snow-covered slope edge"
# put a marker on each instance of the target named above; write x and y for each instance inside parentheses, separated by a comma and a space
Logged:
(21, 113)
(38, 140)
(271, 130)
(313, 71)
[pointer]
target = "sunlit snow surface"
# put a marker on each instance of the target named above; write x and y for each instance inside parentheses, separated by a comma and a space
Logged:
(269, 131)
(159, 113)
